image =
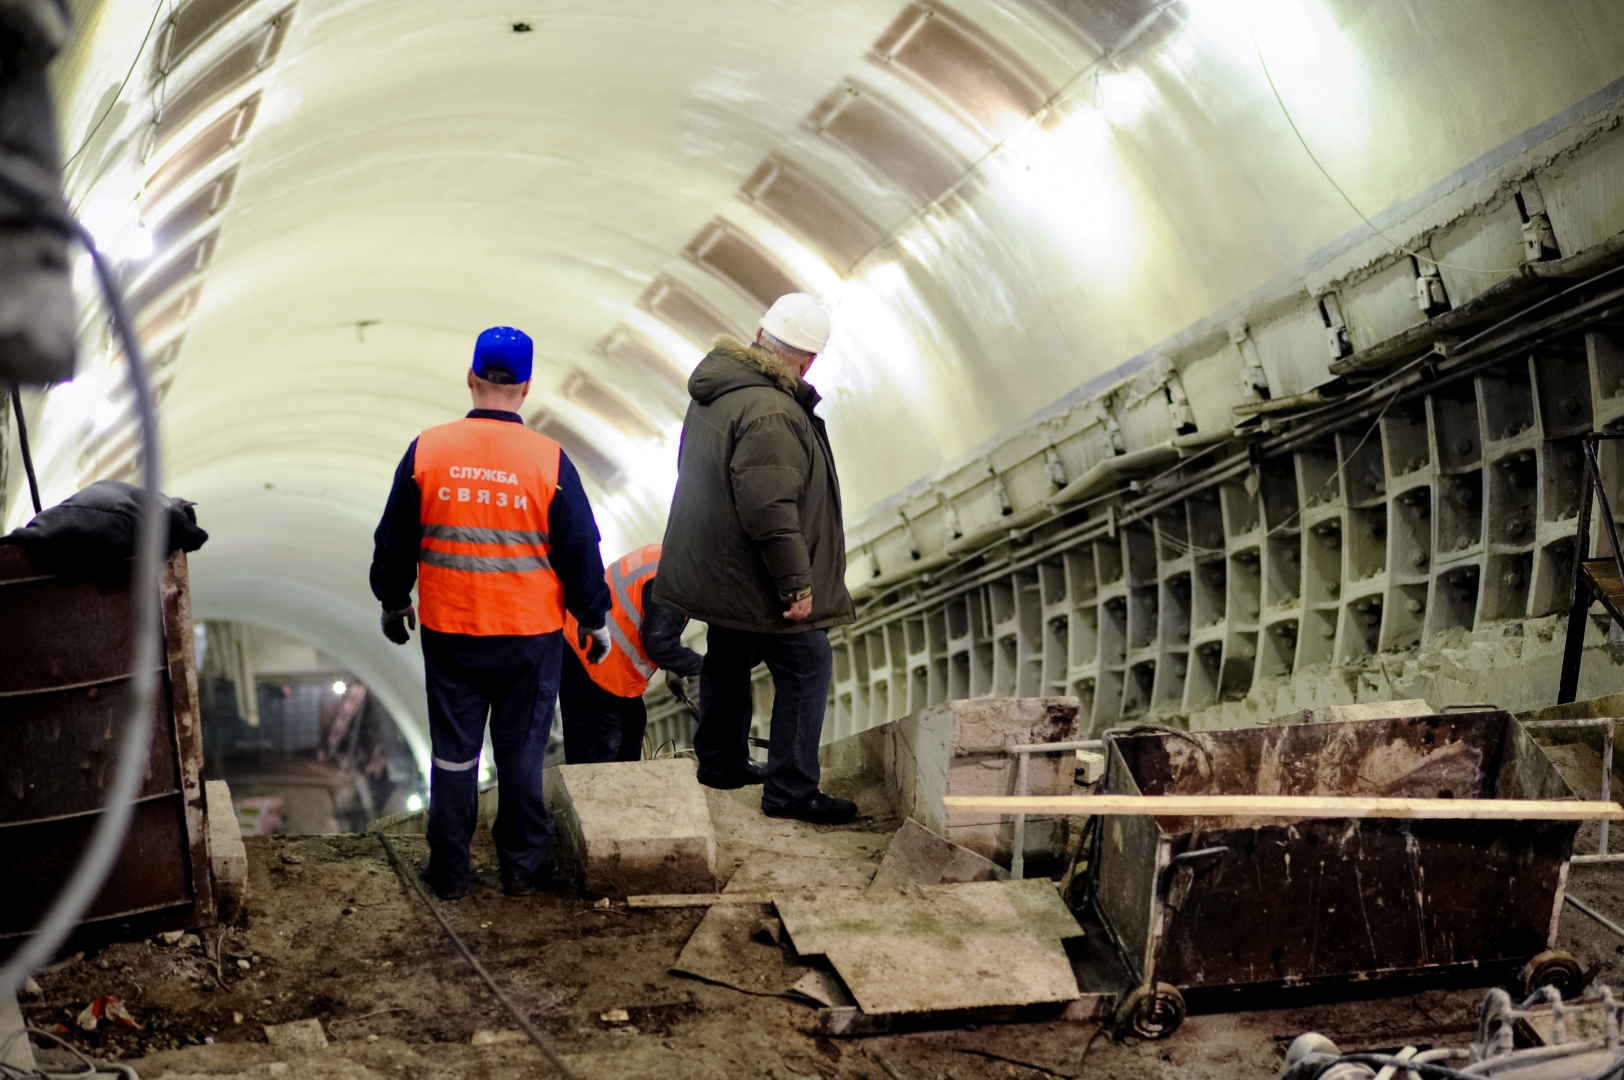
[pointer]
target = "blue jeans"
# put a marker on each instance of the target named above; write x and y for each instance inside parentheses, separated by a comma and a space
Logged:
(801, 666)
(513, 680)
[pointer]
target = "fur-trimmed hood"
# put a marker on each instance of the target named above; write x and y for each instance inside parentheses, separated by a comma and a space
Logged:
(733, 365)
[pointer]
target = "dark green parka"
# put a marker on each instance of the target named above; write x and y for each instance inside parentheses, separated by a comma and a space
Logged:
(756, 517)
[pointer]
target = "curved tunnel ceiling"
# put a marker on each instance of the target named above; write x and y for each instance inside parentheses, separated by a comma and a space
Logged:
(1000, 200)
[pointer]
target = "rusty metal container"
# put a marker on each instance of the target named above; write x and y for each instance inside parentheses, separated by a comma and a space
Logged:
(65, 654)
(1220, 905)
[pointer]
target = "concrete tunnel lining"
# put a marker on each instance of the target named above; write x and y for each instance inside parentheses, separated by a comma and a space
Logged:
(392, 200)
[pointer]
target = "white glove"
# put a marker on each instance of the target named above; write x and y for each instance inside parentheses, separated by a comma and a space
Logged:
(599, 638)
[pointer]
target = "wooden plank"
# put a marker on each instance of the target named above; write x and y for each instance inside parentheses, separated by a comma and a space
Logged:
(680, 900)
(1604, 582)
(1285, 806)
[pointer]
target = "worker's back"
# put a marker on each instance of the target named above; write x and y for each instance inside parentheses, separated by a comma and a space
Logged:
(487, 486)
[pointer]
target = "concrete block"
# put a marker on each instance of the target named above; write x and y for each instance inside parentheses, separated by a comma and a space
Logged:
(957, 748)
(631, 827)
(227, 855)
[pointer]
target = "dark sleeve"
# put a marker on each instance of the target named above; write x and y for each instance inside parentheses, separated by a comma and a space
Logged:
(400, 533)
(662, 638)
(768, 471)
(573, 535)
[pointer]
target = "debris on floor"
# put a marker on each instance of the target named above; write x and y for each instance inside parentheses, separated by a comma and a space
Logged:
(937, 948)
(918, 856)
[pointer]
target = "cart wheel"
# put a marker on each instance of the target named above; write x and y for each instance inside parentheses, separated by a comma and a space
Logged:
(1153, 1013)
(1554, 968)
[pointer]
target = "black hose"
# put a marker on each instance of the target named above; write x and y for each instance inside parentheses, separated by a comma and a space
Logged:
(22, 441)
(523, 1021)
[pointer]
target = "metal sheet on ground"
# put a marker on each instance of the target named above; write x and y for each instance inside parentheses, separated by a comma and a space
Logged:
(940, 947)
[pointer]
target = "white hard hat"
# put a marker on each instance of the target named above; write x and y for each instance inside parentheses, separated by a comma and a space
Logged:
(799, 321)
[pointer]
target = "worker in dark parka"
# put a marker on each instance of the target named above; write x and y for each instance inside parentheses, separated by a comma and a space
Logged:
(755, 548)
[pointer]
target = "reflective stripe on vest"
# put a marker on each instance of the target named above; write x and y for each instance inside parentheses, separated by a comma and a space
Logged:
(625, 672)
(484, 564)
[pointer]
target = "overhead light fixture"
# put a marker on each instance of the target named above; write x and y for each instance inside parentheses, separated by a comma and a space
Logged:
(414, 802)
(339, 688)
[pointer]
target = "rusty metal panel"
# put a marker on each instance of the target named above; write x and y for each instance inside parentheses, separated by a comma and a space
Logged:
(1264, 903)
(64, 694)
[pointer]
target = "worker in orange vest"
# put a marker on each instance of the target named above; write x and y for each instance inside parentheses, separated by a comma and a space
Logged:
(490, 520)
(602, 704)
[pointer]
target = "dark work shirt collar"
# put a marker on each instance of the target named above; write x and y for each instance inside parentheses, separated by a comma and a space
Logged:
(495, 414)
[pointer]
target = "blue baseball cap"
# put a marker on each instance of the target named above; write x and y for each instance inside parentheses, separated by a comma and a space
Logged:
(505, 350)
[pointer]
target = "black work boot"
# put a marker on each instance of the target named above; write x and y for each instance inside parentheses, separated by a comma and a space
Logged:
(515, 885)
(752, 773)
(432, 880)
(817, 808)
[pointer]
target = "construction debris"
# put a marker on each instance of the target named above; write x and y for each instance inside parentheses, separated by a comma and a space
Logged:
(634, 827)
(297, 1035)
(960, 748)
(918, 856)
(936, 948)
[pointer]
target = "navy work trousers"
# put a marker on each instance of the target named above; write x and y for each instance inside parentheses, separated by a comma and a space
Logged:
(598, 726)
(800, 665)
(513, 681)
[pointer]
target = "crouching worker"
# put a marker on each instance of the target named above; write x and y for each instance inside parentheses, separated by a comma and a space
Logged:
(602, 704)
(490, 520)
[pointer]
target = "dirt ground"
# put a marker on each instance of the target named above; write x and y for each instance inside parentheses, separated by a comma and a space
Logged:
(332, 933)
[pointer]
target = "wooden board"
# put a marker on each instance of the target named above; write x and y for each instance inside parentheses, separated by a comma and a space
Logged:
(681, 900)
(1284, 806)
(1602, 574)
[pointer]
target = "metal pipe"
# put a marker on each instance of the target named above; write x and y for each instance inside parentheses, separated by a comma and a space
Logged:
(1594, 914)
(1606, 778)
(1055, 747)
(1017, 860)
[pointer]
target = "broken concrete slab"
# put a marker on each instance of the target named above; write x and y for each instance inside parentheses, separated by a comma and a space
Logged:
(918, 856)
(724, 949)
(630, 827)
(958, 748)
(935, 948)
(227, 855)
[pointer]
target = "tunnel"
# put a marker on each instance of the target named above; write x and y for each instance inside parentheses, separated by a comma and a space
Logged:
(1226, 399)
(1052, 234)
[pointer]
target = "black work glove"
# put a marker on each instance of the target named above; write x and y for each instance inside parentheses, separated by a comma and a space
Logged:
(595, 642)
(678, 686)
(394, 624)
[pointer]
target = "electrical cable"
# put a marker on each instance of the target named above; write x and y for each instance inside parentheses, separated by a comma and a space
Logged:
(506, 1002)
(114, 821)
(22, 443)
(1332, 180)
(91, 134)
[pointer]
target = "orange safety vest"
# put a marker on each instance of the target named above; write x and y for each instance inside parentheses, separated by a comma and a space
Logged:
(483, 567)
(625, 672)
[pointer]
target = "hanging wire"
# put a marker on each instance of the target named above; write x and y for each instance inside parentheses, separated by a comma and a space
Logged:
(156, 11)
(1332, 180)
